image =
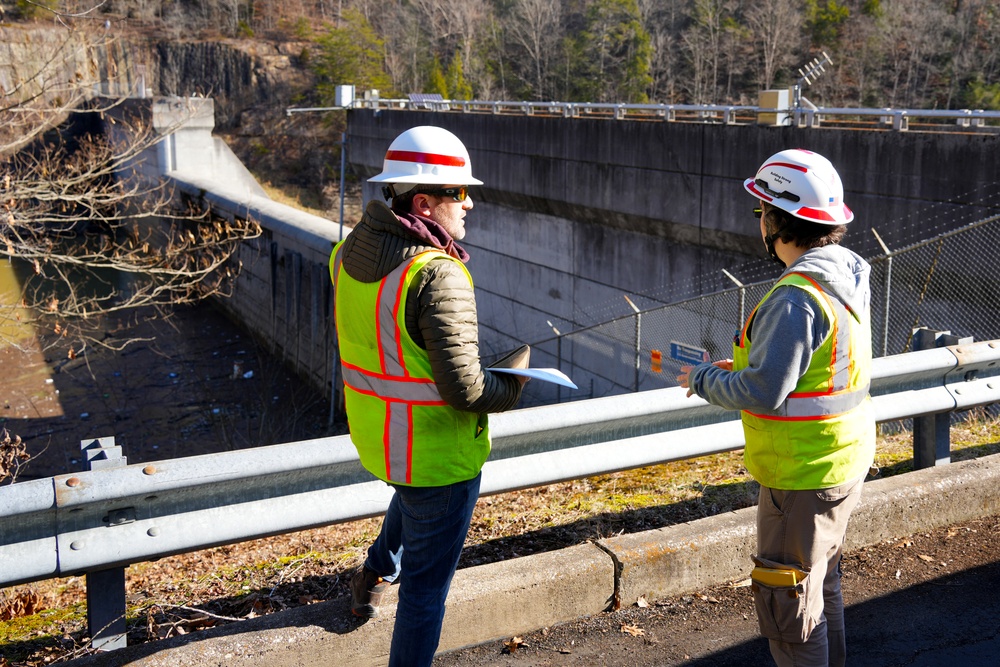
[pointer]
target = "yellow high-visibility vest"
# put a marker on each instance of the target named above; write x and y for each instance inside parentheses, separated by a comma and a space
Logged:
(405, 433)
(823, 434)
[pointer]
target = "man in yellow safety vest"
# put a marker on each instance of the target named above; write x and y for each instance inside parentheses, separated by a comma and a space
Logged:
(800, 374)
(416, 395)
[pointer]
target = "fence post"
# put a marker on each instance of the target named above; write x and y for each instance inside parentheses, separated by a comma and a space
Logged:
(886, 293)
(105, 588)
(932, 433)
(638, 340)
(742, 289)
(558, 357)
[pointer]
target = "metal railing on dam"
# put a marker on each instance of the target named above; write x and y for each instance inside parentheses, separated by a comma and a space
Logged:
(804, 117)
(111, 516)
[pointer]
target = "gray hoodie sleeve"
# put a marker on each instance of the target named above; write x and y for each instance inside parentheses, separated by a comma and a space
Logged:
(787, 329)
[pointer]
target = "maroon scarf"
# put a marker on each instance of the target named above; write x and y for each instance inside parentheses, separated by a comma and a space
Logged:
(432, 233)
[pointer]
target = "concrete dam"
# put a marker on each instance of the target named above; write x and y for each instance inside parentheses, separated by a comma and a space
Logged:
(585, 228)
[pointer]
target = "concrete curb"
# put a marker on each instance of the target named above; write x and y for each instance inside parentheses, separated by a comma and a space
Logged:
(503, 599)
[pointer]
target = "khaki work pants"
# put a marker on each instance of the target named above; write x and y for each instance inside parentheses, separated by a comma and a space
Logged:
(805, 530)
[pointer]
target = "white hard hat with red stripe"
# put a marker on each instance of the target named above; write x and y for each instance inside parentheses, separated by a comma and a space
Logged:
(803, 183)
(426, 155)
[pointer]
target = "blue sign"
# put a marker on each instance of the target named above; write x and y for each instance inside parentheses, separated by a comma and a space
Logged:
(687, 354)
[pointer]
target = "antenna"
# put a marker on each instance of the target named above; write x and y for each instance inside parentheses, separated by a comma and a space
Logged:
(813, 69)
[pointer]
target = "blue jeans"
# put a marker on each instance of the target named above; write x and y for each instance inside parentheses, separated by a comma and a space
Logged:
(422, 536)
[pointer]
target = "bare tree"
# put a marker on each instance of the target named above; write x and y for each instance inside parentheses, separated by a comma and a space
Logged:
(703, 41)
(776, 26)
(859, 69)
(455, 25)
(914, 51)
(535, 27)
(976, 47)
(663, 23)
(85, 235)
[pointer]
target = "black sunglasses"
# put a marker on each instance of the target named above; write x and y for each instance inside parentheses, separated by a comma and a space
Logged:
(458, 194)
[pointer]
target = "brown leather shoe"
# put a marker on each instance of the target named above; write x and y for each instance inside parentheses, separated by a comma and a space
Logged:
(367, 589)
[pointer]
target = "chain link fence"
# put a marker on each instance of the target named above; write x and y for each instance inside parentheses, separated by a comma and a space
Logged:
(945, 282)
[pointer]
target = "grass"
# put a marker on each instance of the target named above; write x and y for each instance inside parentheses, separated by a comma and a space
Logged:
(303, 199)
(192, 591)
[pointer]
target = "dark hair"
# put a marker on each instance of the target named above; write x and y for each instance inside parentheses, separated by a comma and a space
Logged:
(785, 226)
(403, 203)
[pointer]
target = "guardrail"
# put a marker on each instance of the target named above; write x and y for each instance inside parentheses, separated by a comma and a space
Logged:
(803, 117)
(109, 517)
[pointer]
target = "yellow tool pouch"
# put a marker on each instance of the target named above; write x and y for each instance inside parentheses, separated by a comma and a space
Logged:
(777, 577)
(783, 596)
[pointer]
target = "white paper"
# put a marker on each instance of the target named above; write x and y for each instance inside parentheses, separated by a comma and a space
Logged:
(545, 374)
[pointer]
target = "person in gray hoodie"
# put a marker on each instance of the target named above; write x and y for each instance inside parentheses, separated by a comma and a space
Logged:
(800, 375)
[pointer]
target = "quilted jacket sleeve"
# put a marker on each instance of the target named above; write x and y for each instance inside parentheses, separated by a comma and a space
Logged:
(441, 317)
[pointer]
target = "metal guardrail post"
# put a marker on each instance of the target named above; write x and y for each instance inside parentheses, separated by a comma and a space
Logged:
(932, 433)
(106, 588)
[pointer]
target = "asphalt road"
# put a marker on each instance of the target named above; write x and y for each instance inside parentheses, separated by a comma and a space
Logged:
(927, 600)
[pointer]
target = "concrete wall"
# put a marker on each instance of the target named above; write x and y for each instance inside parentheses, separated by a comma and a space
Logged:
(682, 181)
(283, 294)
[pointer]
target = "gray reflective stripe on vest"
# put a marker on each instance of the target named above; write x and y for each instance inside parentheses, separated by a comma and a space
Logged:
(842, 346)
(391, 388)
(822, 406)
(399, 426)
(841, 400)
(388, 301)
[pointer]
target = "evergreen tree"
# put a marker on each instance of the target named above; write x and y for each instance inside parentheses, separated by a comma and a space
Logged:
(436, 80)
(458, 87)
(350, 54)
(610, 57)
(824, 20)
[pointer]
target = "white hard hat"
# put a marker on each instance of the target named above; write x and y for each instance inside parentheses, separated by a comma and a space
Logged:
(426, 155)
(803, 183)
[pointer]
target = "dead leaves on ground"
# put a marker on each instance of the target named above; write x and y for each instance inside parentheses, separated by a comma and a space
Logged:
(19, 603)
(633, 630)
(513, 644)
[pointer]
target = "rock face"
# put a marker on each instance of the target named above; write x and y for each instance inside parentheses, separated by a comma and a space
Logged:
(242, 76)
